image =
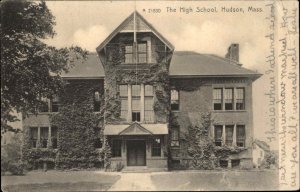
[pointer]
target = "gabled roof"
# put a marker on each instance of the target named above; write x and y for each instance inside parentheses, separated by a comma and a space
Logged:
(135, 129)
(127, 26)
(89, 68)
(188, 63)
(183, 64)
(140, 129)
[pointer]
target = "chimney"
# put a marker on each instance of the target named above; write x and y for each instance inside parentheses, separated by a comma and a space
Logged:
(233, 53)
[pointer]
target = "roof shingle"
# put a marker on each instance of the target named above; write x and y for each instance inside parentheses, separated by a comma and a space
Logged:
(183, 64)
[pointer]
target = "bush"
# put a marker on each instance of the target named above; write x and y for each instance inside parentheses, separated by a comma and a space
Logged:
(11, 157)
(16, 168)
(119, 167)
(4, 166)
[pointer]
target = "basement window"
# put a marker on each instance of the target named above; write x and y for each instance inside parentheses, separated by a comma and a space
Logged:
(223, 163)
(235, 163)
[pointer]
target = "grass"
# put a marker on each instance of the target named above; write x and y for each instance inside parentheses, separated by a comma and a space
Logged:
(216, 181)
(78, 186)
(59, 181)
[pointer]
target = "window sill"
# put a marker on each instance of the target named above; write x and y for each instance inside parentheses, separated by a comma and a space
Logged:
(230, 111)
(156, 158)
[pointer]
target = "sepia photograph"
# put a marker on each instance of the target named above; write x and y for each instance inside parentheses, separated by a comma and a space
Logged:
(149, 95)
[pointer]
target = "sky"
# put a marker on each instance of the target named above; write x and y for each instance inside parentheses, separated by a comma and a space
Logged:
(88, 23)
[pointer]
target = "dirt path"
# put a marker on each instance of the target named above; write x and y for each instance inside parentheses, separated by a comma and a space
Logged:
(134, 182)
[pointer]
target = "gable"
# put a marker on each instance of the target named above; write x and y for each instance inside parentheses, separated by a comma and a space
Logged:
(128, 26)
(141, 26)
(135, 129)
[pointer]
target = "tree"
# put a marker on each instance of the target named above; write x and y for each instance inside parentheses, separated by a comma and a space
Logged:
(30, 69)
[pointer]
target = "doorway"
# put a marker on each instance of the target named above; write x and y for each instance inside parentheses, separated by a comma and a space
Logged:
(136, 153)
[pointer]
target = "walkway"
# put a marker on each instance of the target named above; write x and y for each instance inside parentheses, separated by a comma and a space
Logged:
(134, 182)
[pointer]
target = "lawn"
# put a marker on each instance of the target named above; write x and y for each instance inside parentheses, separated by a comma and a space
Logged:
(59, 181)
(208, 180)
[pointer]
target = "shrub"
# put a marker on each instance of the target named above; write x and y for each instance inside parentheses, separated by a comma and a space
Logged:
(11, 157)
(119, 167)
(16, 168)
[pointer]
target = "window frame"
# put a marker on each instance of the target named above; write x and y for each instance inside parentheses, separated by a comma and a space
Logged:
(44, 141)
(128, 53)
(230, 99)
(118, 149)
(33, 141)
(234, 100)
(55, 102)
(229, 140)
(148, 112)
(175, 141)
(243, 99)
(97, 103)
(123, 97)
(142, 52)
(215, 99)
(218, 140)
(243, 139)
(136, 113)
(155, 149)
(177, 101)
(44, 104)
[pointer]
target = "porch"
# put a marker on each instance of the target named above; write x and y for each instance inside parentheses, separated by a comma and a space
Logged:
(138, 147)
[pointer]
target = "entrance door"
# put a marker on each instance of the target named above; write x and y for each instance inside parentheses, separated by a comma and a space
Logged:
(136, 153)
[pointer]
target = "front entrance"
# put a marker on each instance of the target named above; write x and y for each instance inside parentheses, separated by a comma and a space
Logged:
(136, 153)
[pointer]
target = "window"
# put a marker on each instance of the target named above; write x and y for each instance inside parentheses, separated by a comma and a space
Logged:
(136, 103)
(55, 104)
(156, 147)
(175, 137)
(96, 101)
(218, 135)
(128, 54)
(174, 100)
(54, 137)
(44, 137)
(33, 131)
(44, 105)
(223, 163)
(240, 99)
(116, 148)
(229, 135)
(124, 100)
(149, 112)
(142, 53)
(240, 135)
(228, 99)
(235, 163)
(217, 99)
